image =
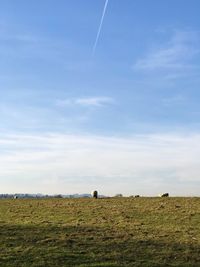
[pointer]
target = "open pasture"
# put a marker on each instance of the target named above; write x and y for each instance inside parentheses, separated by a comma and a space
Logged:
(103, 232)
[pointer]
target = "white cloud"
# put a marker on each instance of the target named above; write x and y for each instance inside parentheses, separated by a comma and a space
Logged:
(175, 55)
(86, 101)
(94, 101)
(146, 164)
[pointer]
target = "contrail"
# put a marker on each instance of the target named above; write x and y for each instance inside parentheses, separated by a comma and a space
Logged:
(100, 26)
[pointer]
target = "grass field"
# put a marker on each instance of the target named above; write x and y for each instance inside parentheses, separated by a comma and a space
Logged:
(102, 232)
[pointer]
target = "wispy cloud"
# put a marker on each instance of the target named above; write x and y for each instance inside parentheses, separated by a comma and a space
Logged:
(19, 43)
(146, 164)
(174, 100)
(94, 101)
(21, 38)
(86, 101)
(175, 55)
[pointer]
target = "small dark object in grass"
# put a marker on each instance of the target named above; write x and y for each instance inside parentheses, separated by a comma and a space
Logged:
(95, 194)
(164, 195)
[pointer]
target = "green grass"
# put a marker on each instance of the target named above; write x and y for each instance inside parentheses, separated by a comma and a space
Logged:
(103, 232)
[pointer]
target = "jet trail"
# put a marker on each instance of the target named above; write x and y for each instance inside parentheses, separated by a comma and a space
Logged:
(100, 26)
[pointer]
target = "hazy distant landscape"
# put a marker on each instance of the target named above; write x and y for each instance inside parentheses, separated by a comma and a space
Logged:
(100, 232)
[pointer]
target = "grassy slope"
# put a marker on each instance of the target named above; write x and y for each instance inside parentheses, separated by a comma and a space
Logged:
(102, 232)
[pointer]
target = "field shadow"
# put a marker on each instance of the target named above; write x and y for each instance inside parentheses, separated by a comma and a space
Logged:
(49, 245)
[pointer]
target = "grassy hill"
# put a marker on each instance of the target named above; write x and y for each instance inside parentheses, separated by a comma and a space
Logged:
(103, 232)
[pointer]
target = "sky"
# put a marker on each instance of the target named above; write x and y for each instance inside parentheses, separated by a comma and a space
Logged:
(100, 95)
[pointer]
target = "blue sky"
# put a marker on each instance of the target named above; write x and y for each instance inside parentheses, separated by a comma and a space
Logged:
(127, 115)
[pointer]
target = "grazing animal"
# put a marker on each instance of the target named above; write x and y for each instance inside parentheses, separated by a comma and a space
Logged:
(137, 195)
(164, 195)
(94, 194)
